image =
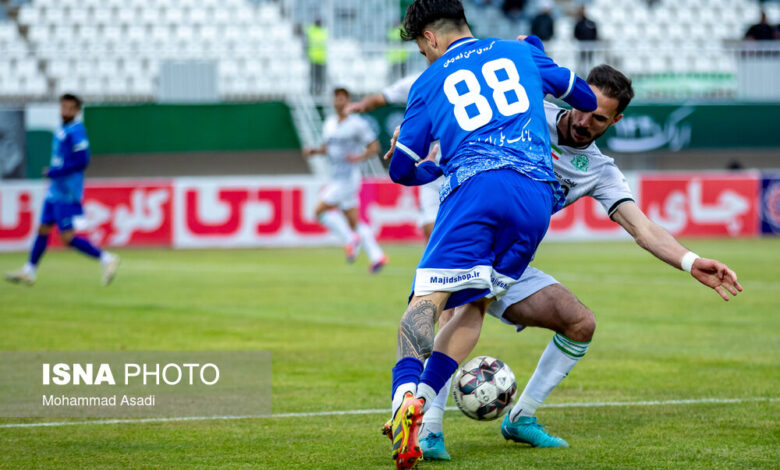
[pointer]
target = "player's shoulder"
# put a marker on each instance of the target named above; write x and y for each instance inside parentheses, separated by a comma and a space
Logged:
(331, 119)
(552, 111)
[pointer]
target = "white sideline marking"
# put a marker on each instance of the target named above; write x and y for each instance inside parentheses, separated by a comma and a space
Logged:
(601, 404)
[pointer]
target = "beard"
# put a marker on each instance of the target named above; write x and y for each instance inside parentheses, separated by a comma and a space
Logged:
(583, 137)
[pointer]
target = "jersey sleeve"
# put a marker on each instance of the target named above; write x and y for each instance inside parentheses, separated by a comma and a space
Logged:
(612, 189)
(413, 142)
(563, 83)
(76, 155)
(398, 92)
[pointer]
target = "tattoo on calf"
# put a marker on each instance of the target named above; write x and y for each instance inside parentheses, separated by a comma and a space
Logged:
(415, 335)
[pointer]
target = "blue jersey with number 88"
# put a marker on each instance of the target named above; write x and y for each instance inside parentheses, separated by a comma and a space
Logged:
(483, 99)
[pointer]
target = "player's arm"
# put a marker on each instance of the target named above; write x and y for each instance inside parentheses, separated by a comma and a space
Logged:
(427, 168)
(76, 158)
(413, 139)
(369, 103)
(655, 239)
(311, 151)
(371, 149)
(561, 82)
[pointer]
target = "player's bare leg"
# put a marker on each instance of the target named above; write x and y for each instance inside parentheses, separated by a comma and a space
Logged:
(462, 333)
(332, 218)
(555, 308)
(427, 229)
(377, 258)
(415, 344)
(458, 336)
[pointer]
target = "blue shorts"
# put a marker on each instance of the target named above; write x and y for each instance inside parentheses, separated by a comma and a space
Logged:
(60, 213)
(486, 234)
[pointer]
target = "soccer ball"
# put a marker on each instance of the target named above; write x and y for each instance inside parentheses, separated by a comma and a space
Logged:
(484, 388)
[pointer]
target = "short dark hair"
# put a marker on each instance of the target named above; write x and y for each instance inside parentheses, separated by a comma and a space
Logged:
(435, 13)
(613, 84)
(340, 91)
(71, 97)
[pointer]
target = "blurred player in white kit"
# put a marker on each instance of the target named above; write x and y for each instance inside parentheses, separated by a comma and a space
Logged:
(347, 141)
(398, 93)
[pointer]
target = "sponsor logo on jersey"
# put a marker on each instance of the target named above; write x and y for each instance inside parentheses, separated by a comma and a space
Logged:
(581, 162)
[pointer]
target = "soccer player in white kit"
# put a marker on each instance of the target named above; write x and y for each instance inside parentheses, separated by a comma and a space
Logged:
(398, 93)
(537, 299)
(347, 141)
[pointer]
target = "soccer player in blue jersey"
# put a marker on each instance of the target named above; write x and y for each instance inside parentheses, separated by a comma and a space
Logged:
(69, 159)
(483, 99)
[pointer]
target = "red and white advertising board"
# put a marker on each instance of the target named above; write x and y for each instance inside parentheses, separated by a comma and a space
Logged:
(279, 211)
(20, 210)
(703, 204)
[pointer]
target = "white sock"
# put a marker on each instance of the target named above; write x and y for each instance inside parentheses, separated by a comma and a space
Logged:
(425, 392)
(336, 222)
(29, 269)
(557, 360)
(444, 394)
(398, 396)
(373, 250)
(106, 257)
(432, 419)
(431, 422)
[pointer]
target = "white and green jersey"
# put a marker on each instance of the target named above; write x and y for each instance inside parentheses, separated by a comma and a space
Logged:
(586, 171)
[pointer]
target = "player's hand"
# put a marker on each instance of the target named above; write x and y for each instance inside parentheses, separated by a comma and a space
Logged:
(716, 275)
(309, 152)
(431, 155)
(393, 140)
(355, 158)
(522, 37)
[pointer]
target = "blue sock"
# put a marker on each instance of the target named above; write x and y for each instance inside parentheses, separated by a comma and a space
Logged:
(39, 247)
(406, 370)
(85, 247)
(438, 370)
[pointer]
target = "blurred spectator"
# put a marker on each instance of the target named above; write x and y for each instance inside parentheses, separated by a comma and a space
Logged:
(585, 30)
(513, 9)
(397, 55)
(317, 46)
(761, 31)
(543, 24)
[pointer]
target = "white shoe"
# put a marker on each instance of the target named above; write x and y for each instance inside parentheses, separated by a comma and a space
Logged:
(21, 276)
(110, 267)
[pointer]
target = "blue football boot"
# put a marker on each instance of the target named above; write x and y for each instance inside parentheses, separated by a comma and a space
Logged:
(527, 430)
(432, 447)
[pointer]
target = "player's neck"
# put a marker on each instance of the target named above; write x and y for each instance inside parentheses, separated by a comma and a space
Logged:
(342, 116)
(454, 37)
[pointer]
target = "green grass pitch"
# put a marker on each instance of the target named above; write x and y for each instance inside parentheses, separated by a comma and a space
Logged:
(331, 328)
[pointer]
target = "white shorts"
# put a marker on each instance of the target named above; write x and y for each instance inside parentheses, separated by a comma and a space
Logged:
(344, 194)
(429, 202)
(531, 282)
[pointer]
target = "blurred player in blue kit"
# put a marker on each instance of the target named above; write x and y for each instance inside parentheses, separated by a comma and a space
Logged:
(484, 98)
(69, 159)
